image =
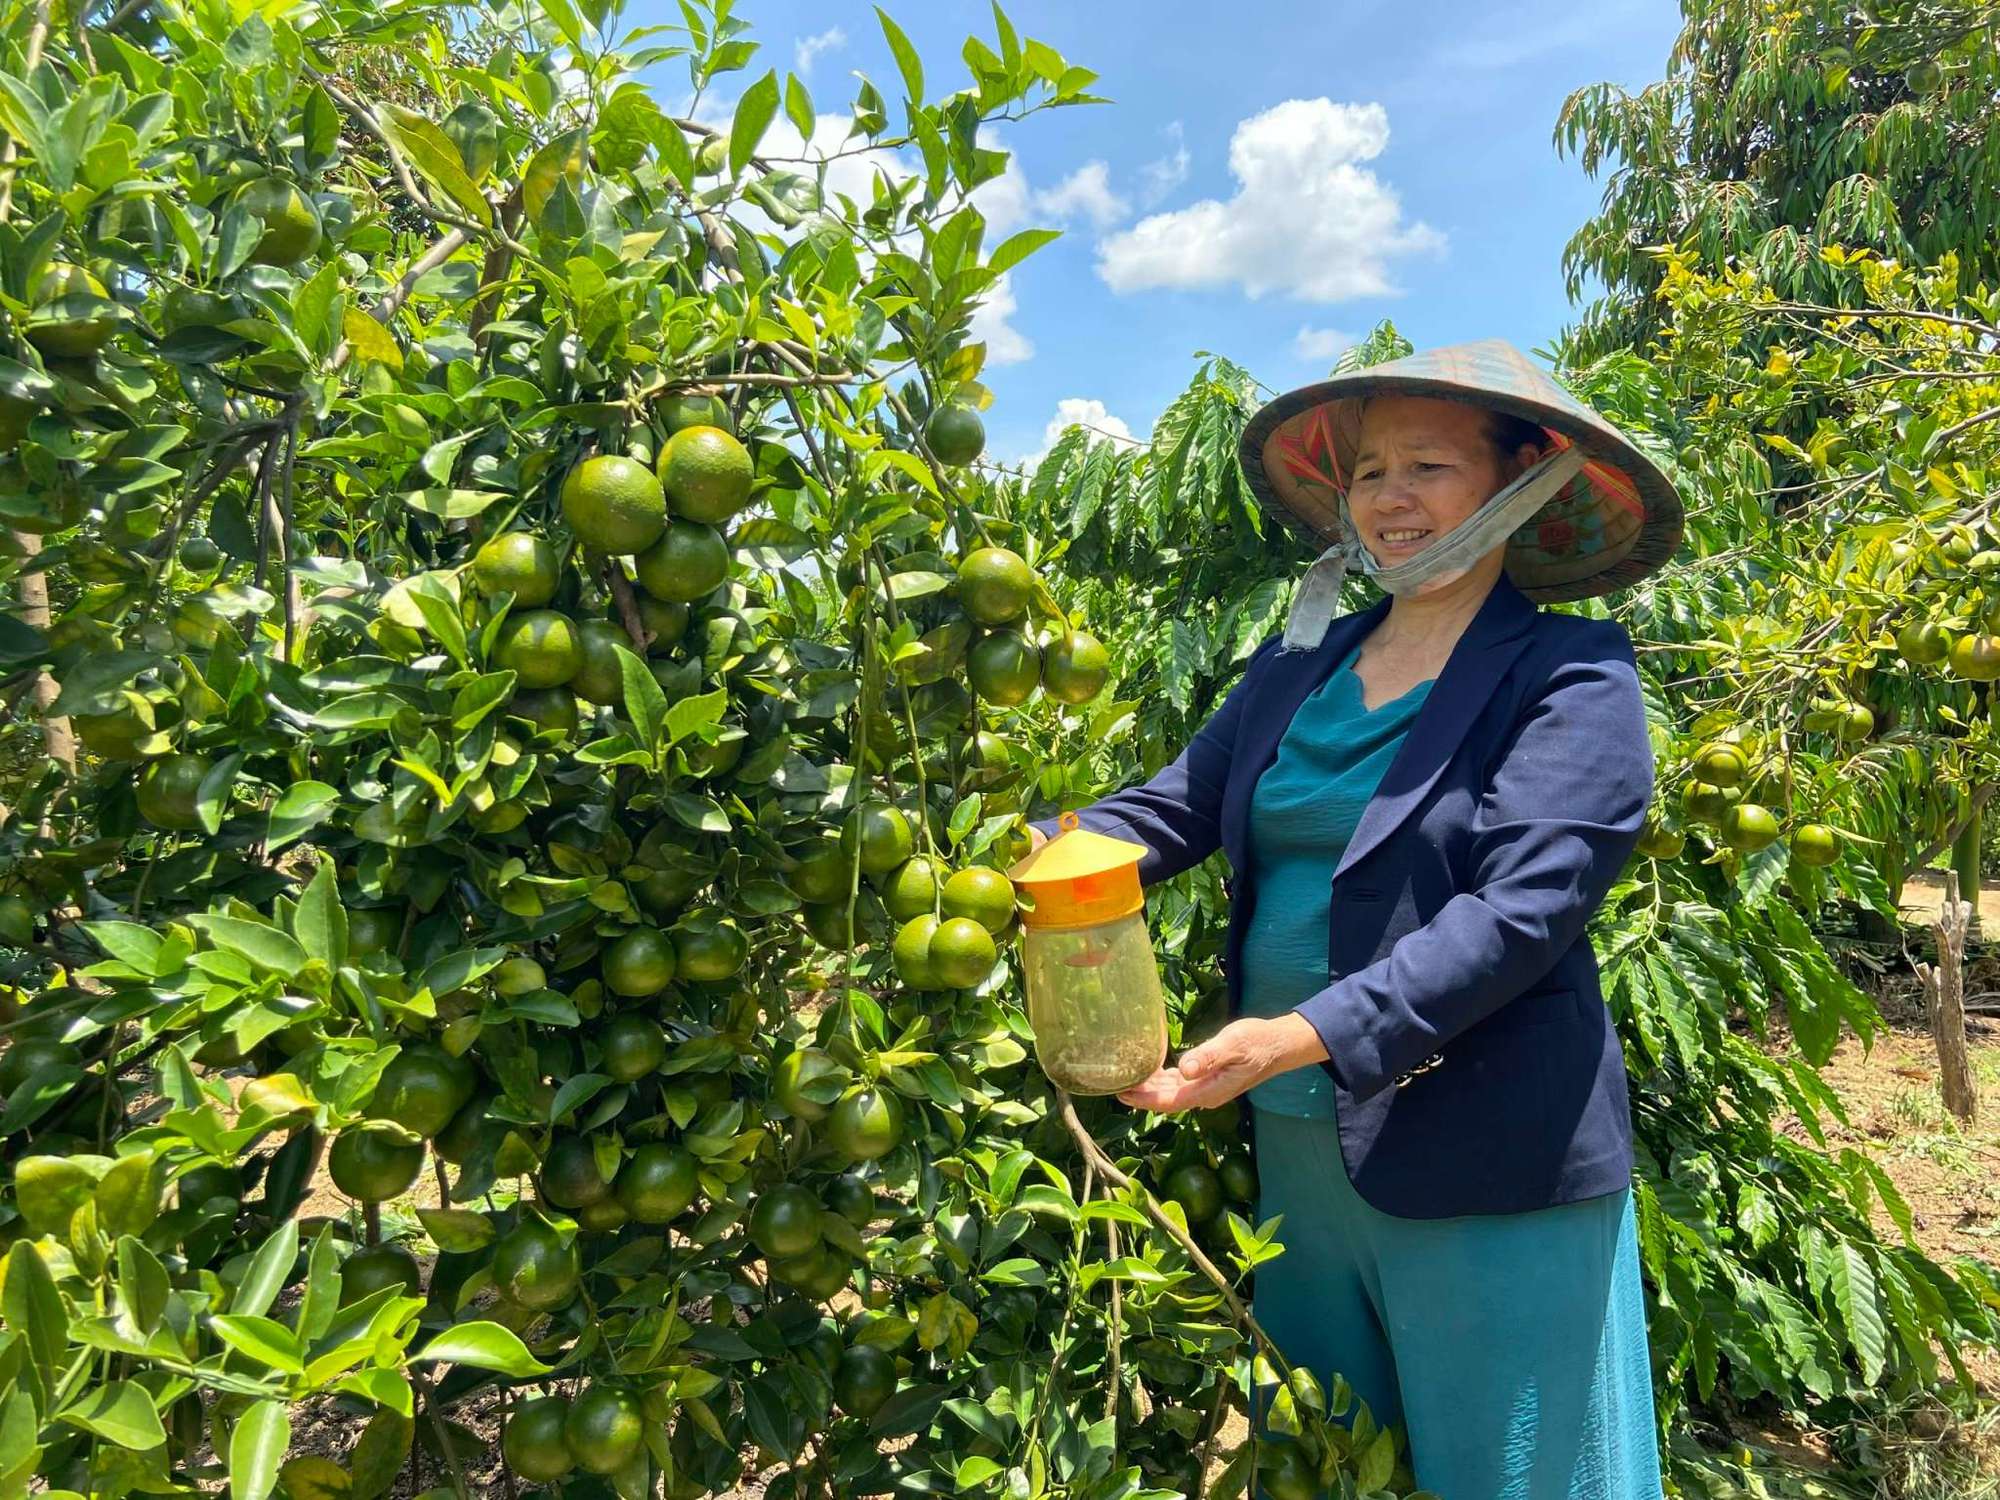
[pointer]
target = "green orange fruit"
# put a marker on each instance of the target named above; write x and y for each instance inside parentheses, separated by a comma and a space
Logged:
(168, 790)
(291, 225)
(532, 1442)
(955, 434)
(1815, 844)
(552, 711)
(995, 585)
(518, 563)
(707, 474)
(850, 1196)
(1976, 657)
(658, 1183)
(962, 953)
(631, 1046)
(570, 1175)
(614, 504)
(1658, 841)
(688, 561)
(1721, 764)
(666, 620)
(829, 924)
(910, 952)
(982, 894)
(864, 1380)
(640, 962)
(373, 929)
(866, 1125)
(78, 329)
(911, 889)
(823, 872)
(710, 952)
(605, 1429)
(1922, 643)
(540, 648)
(599, 676)
(879, 836)
(1075, 667)
(678, 413)
(375, 1161)
(374, 1267)
(797, 1069)
(422, 1088)
(784, 1221)
(1004, 667)
(1748, 827)
(535, 1268)
(1196, 1188)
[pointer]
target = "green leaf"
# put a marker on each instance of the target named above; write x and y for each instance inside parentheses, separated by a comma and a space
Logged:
(451, 505)
(1016, 248)
(1851, 1278)
(645, 704)
(457, 1229)
(128, 942)
(1377, 1462)
(486, 1346)
(300, 808)
(49, 1189)
(381, 1452)
(561, 160)
(906, 57)
(128, 1195)
(436, 160)
(480, 697)
(33, 1307)
(799, 106)
(319, 921)
(256, 1446)
(440, 611)
(262, 945)
(754, 112)
(269, 1269)
(142, 1284)
(315, 1478)
(691, 714)
(119, 1412)
(211, 798)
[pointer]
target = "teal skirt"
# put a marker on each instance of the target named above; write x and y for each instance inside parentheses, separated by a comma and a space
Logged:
(1511, 1348)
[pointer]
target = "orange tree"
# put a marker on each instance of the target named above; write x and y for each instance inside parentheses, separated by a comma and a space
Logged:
(518, 709)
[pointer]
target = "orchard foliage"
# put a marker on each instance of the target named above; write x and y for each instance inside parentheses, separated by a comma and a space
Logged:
(518, 678)
(1781, 130)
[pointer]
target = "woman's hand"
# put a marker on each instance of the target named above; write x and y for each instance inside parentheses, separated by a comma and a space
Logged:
(1237, 1058)
(1036, 838)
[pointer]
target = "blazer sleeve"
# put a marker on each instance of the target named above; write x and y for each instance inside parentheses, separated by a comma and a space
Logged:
(1178, 814)
(1557, 820)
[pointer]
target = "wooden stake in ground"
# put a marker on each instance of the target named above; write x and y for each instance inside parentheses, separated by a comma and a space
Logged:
(1944, 1000)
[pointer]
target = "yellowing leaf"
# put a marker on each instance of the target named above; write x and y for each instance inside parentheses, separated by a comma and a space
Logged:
(370, 340)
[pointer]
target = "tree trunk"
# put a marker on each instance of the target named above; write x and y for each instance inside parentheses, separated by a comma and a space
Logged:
(1944, 1000)
(57, 740)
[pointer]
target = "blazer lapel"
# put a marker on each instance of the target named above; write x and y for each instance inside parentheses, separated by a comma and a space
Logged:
(1497, 634)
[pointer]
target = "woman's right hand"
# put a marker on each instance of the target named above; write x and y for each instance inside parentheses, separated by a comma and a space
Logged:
(1036, 838)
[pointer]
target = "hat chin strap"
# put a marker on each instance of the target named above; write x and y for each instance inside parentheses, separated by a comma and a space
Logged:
(1318, 597)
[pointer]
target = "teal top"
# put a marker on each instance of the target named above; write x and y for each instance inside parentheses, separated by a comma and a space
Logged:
(1302, 814)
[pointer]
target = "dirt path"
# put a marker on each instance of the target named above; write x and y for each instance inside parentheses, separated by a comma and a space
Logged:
(1923, 899)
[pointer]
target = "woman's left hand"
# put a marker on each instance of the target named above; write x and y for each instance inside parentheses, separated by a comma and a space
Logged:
(1237, 1058)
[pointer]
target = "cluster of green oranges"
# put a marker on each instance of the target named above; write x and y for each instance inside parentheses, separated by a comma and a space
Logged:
(1718, 794)
(1004, 663)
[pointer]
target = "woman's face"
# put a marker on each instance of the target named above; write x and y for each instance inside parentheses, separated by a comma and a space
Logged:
(1422, 467)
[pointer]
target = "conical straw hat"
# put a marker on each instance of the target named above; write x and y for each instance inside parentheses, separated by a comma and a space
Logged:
(1616, 521)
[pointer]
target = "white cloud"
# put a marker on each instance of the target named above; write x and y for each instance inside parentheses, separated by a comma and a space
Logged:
(1011, 202)
(1086, 192)
(1005, 344)
(1168, 172)
(1308, 220)
(810, 47)
(1322, 344)
(1085, 411)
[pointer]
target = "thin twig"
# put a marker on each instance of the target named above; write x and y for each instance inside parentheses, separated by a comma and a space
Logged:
(628, 606)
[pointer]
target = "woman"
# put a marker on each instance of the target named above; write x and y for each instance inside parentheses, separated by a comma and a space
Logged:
(1422, 804)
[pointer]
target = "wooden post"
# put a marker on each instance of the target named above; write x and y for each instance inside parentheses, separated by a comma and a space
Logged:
(1944, 1000)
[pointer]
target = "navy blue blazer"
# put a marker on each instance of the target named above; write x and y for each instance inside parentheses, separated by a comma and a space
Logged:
(1475, 1067)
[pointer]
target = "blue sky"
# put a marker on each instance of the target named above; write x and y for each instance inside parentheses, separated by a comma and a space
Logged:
(1273, 177)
